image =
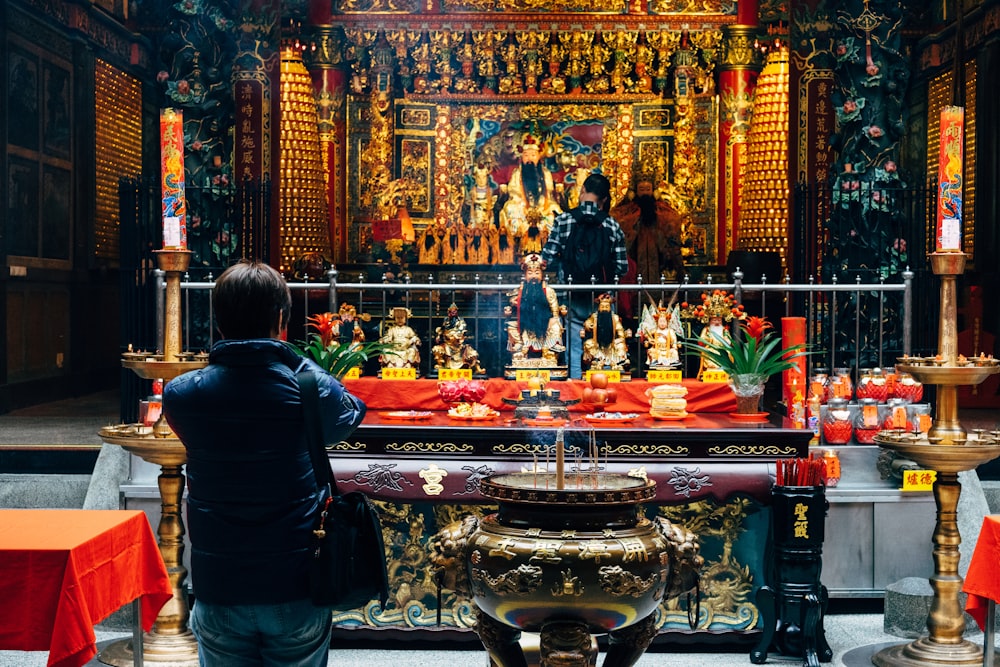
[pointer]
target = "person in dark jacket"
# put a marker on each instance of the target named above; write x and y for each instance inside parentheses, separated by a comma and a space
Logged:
(252, 494)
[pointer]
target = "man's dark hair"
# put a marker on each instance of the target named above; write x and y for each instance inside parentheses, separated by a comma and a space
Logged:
(250, 299)
(598, 184)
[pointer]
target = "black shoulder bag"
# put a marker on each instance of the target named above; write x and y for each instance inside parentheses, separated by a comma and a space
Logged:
(348, 566)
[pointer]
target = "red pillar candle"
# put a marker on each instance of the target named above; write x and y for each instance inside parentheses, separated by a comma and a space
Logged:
(172, 179)
(793, 332)
(950, 167)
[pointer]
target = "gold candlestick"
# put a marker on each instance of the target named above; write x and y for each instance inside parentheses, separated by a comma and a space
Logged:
(170, 643)
(947, 451)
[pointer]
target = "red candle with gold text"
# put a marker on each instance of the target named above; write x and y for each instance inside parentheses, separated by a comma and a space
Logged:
(793, 332)
(172, 179)
(950, 180)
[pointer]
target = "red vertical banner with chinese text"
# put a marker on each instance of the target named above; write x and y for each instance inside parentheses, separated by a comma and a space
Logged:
(172, 179)
(950, 181)
(248, 137)
(812, 120)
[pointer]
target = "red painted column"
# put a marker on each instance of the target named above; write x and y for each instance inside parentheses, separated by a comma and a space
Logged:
(738, 72)
(324, 59)
(747, 12)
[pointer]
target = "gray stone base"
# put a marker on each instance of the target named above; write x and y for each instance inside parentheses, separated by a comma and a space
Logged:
(27, 491)
(907, 606)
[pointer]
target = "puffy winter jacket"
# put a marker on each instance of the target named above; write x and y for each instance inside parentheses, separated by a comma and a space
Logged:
(252, 495)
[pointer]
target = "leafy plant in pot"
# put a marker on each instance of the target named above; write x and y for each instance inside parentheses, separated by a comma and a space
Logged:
(335, 357)
(749, 358)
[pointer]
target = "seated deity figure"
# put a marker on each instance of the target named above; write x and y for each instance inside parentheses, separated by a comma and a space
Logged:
(531, 194)
(604, 339)
(451, 350)
(660, 331)
(479, 198)
(503, 243)
(716, 310)
(534, 332)
(347, 325)
(430, 244)
(404, 342)
(477, 243)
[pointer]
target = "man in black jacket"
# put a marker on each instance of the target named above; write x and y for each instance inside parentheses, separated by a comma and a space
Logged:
(252, 495)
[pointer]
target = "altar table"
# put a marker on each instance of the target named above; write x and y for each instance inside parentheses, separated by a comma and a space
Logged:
(62, 571)
(422, 394)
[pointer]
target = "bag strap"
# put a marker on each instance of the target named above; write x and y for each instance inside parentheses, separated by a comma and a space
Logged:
(309, 395)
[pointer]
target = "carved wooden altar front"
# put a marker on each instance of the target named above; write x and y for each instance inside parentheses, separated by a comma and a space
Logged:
(712, 476)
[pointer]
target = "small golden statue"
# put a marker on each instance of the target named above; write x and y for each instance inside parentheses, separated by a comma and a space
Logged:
(347, 325)
(604, 337)
(404, 342)
(717, 308)
(534, 334)
(660, 331)
(451, 350)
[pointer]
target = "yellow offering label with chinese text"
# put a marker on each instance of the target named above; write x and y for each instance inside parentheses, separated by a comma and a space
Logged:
(525, 374)
(613, 376)
(445, 374)
(664, 376)
(353, 374)
(399, 373)
(715, 376)
(919, 480)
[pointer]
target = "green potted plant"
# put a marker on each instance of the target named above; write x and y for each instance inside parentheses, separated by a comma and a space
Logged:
(336, 357)
(749, 358)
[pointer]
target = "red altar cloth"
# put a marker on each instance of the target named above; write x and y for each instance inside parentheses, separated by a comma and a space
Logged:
(982, 582)
(422, 395)
(62, 571)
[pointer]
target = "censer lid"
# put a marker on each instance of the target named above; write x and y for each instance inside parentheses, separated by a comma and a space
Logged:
(582, 488)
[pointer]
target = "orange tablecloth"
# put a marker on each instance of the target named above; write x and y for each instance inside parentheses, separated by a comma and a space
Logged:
(62, 571)
(982, 582)
(422, 394)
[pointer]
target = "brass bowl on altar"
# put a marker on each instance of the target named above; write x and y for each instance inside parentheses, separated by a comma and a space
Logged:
(949, 374)
(157, 368)
(528, 404)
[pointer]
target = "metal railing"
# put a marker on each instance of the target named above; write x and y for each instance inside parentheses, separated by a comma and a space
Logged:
(830, 310)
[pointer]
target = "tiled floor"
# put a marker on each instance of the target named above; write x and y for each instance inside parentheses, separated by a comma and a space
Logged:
(854, 638)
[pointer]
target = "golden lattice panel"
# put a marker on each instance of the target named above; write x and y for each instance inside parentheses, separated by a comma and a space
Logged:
(118, 149)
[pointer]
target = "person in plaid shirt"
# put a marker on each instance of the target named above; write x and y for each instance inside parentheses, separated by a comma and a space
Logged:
(575, 234)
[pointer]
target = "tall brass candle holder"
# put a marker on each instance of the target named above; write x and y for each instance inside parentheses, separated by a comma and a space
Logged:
(948, 450)
(170, 643)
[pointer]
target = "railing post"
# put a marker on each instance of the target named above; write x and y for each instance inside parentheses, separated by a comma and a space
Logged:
(907, 312)
(331, 277)
(159, 278)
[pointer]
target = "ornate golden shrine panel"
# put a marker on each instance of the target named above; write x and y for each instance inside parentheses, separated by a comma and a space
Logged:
(448, 164)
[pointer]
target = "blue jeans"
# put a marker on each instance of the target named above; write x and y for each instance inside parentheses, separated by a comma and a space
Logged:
(580, 309)
(289, 634)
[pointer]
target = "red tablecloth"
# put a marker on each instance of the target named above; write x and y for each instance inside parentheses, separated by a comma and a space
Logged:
(62, 571)
(982, 582)
(422, 394)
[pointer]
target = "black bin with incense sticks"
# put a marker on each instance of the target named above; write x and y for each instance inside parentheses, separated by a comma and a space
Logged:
(794, 600)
